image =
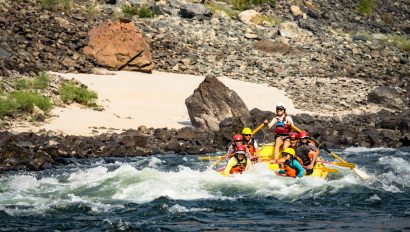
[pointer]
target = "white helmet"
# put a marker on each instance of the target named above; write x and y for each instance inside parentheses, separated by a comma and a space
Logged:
(281, 105)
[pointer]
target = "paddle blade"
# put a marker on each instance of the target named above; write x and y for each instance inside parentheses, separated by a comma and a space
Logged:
(360, 173)
(345, 164)
(206, 158)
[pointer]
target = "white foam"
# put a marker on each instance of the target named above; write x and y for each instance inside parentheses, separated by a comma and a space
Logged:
(154, 162)
(23, 183)
(182, 209)
(366, 149)
(104, 189)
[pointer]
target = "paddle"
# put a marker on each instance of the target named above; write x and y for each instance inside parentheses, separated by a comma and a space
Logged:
(224, 156)
(341, 164)
(360, 173)
(325, 169)
(206, 158)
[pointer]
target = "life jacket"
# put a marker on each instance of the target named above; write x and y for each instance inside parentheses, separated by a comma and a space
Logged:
(250, 146)
(240, 166)
(281, 127)
(290, 171)
(305, 158)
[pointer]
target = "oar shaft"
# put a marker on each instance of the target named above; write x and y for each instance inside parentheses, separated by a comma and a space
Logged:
(320, 145)
(258, 129)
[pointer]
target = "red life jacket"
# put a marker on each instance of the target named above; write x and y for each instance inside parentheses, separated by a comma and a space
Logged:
(239, 167)
(250, 146)
(282, 127)
(289, 171)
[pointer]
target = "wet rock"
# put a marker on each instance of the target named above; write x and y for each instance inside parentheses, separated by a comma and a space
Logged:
(173, 146)
(213, 102)
(162, 134)
(119, 45)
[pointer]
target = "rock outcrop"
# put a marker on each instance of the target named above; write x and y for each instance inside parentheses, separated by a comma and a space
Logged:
(387, 97)
(212, 102)
(119, 45)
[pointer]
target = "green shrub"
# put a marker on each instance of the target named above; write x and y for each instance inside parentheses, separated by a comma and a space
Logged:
(402, 42)
(142, 12)
(57, 4)
(366, 7)
(7, 106)
(213, 7)
(22, 84)
(245, 4)
(92, 12)
(71, 92)
(26, 101)
(42, 81)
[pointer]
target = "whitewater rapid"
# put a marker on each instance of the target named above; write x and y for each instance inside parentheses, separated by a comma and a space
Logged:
(105, 185)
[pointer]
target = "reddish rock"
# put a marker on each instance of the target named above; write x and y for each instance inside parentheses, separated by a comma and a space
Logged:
(119, 45)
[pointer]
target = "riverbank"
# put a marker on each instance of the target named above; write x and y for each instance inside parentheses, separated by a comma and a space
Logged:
(132, 99)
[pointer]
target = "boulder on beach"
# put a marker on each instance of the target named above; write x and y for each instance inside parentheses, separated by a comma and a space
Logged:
(212, 102)
(119, 45)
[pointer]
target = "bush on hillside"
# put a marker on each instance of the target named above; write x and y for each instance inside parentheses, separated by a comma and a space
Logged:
(40, 82)
(26, 101)
(366, 7)
(72, 92)
(142, 12)
(23, 101)
(245, 4)
(57, 4)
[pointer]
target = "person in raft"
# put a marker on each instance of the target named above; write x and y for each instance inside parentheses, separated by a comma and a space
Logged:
(238, 163)
(250, 143)
(283, 126)
(237, 141)
(291, 164)
(307, 152)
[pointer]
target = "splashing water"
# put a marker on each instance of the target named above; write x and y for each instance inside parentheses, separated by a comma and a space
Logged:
(179, 192)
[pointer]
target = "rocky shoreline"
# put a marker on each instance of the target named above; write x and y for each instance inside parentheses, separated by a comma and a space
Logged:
(30, 151)
(330, 62)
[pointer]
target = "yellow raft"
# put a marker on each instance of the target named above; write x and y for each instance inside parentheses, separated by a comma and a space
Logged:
(267, 152)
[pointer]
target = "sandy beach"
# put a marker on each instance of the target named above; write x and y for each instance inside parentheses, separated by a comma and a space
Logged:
(132, 99)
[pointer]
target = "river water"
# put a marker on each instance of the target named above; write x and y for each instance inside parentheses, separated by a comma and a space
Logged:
(178, 193)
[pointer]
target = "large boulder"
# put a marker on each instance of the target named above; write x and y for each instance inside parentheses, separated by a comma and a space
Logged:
(191, 10)
(291, 30)
(119, 45)
(249, 16)
(212, 102)
(387, 97)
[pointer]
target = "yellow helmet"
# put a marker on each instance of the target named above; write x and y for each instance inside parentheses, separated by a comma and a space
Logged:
(246, 131)
(288, 150)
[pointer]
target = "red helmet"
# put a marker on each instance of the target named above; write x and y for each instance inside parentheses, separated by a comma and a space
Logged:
(237, 137)
(294, 135)
(303, 134)
(240, 149)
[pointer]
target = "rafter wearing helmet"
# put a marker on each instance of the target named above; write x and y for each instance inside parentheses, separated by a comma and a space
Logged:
(283, 126)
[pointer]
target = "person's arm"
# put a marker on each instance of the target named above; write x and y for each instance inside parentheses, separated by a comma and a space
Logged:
(232, 162)
(230, 152)
(248, 164)
(256, 146)
(314, 155)
(289, 120)
(299, 168)
(270, 125)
